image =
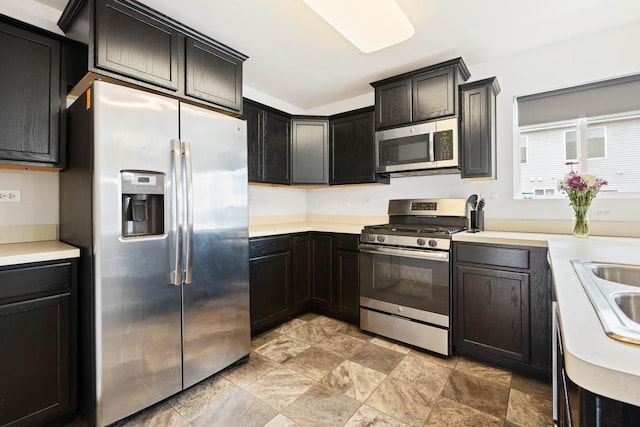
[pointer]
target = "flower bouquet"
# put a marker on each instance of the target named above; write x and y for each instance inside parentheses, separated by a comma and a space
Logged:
(581, 188)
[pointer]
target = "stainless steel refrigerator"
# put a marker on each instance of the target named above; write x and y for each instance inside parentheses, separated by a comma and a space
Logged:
(155, 195)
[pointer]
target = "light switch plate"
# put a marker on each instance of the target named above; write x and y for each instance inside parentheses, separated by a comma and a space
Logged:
(10, 196)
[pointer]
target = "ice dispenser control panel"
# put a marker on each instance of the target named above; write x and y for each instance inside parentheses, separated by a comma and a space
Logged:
(142, 203)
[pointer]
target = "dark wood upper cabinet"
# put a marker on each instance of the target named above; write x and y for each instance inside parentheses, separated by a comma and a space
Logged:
(31, 96)
(421, 95)
(134, 44)
(394, 101)
(310, 151)
(268, 143)
(478, 128)
(434, 95)
(38, 68)
(351, 148)
(131, 42)
(213, 76)
(276, 164)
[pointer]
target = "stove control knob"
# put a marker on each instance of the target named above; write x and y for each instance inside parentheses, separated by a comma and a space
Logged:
(380, 239)
(421, 242)
(372, 238)
(433, 243)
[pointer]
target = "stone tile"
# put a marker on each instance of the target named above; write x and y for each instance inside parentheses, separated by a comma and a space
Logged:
(263, 338)
(341, 345)
(246, 373)
(529, 410)
(282, 348)
(280, 387)
(321, 406)
(198, 399)
(390, 345)
(405, 401)
(422, 373)
(379, 358)
(355, 332)
(354, 380)
(477, 392)
(308, 316)
(481, 370)
(310, 332)
(539, 388)
(367, 416)
(314, 362)
(239, 409)
(446, 412)
(281, 421)
(290, 325)
(448, 362)
(334, 324)
(161, 414)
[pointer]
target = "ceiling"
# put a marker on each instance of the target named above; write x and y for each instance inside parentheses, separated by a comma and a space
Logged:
(298, 58)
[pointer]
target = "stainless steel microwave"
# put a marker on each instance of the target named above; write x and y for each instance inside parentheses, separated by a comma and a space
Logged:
(417, 149)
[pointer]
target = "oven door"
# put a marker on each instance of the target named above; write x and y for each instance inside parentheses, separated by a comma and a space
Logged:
(406, 282)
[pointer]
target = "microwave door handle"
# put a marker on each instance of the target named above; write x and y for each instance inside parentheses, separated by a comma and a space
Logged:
(176, 274)
(408, 253)
(432, 156)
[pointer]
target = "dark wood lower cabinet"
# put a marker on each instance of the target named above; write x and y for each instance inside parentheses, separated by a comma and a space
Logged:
(38, 341)
(294, 273)
(502, 306)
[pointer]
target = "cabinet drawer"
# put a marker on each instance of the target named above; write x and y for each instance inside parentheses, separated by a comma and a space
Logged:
(35, 280)
(268, 245)
(493, 255)
(347, 242)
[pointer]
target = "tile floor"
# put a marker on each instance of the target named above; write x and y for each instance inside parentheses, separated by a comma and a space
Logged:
(318, 371)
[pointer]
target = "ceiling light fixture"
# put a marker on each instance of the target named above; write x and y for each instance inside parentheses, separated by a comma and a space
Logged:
(369, 25)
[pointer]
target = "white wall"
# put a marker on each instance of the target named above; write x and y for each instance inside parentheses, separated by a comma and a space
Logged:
(598, 56)
(39, 198)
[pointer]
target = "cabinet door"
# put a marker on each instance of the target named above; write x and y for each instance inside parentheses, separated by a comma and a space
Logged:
(31, 96)
(310, 151)
(393, 104)
(35, 360)
(493, 312)
(270, 287)
(253, 116)
(276, 149)
(213, 76)
(136, 45)
(322, 270)
(352, 149)
(434, 95)
(302, 271)
(477, 130)
(347, 285)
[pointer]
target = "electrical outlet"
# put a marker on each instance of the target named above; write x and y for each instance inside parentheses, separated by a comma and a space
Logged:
(10, 196)
(489, 196)
(601, 212)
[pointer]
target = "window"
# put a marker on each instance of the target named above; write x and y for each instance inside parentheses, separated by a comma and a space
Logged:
(596, 145)
(523, 149)
(596, 125)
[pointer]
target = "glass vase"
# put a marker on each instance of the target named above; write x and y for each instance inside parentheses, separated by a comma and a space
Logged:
(581, 221)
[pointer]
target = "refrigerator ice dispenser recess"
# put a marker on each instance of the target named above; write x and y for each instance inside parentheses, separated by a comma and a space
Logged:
(142, 203)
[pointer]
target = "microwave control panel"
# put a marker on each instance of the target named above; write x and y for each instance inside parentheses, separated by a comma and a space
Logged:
(443, 145)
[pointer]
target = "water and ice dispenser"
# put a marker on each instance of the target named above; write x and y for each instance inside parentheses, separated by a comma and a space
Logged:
(142, 203)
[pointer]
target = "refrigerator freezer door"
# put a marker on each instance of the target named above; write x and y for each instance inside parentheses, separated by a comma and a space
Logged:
(216, 329)
(138, 310)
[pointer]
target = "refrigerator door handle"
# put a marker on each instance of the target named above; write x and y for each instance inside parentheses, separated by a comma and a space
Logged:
(188, 261)
(176, 274)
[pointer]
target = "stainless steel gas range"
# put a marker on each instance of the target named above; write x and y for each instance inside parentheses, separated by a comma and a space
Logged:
(405, 273)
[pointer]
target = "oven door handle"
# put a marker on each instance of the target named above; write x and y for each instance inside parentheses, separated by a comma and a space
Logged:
(408, 253)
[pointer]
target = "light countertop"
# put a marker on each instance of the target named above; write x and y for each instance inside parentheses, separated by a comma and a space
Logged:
(49, 250)
(301, 227)
(594, 361)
